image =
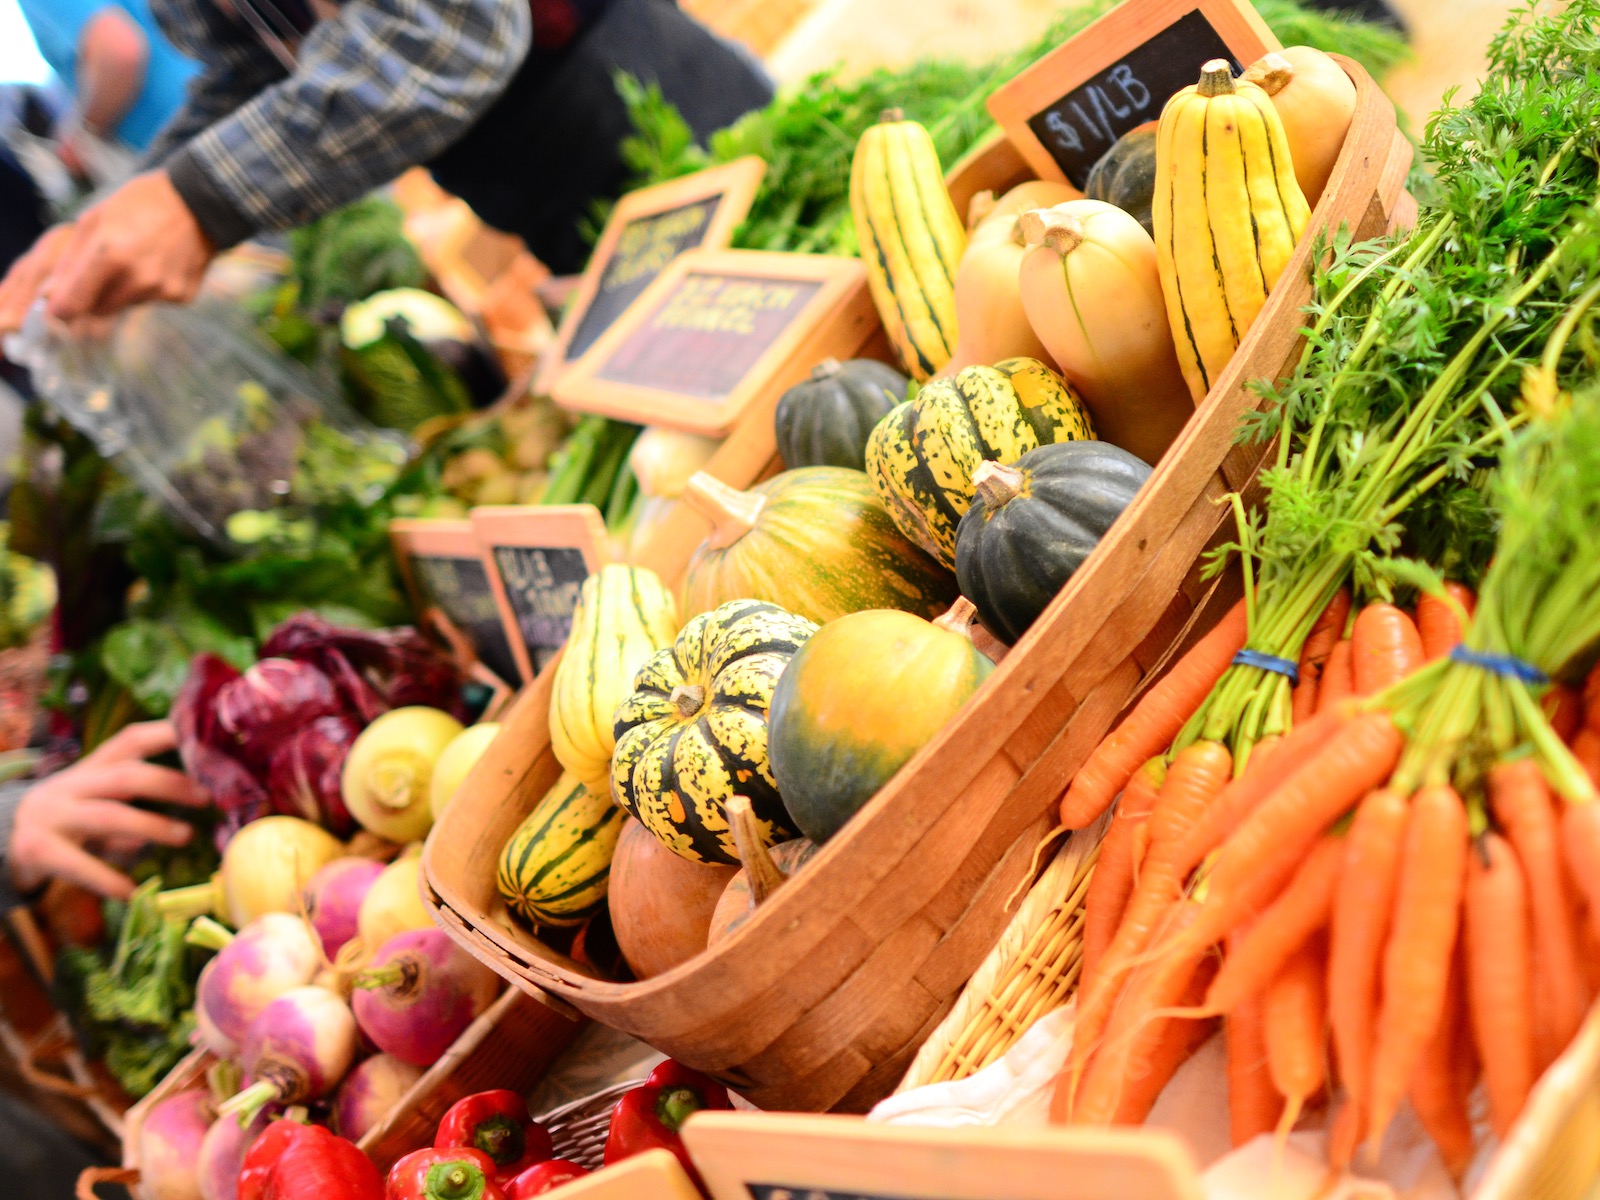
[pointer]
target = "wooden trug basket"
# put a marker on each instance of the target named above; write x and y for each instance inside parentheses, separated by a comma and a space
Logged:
(821, 1000)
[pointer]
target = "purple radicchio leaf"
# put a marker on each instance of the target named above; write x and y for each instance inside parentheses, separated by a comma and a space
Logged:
(374, 670)
(303, 778)
(233, 788)
(270, 701)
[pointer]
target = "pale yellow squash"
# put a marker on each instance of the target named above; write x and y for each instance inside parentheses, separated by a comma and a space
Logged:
(1316, 101)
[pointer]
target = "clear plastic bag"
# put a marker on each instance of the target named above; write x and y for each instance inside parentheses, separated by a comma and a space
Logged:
(204, 414)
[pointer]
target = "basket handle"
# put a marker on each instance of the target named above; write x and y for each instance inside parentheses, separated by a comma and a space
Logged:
(92, 1177)
(56, 1046)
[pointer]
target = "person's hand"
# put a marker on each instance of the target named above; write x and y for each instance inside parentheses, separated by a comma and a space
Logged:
(20, 287)
(63, 818)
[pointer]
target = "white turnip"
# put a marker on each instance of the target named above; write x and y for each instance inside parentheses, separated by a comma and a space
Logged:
(263, 869)
(169, 1146)
(222, 1154)
(369, 1092)
(394, 903)
(267, 958)
(388, 775)
(299, 1048)
(420, 993)
(333, 899)
(206, 1034)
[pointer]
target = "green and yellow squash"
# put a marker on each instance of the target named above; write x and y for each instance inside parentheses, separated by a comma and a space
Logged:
(921, 456)
(814, 541)
(858, 700)
(1228, 213)
(555, 867)
(624, 615)
(694, 732)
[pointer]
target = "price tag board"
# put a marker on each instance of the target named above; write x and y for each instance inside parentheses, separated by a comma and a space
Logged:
(646, 231)
(537, 560)
(717, 330)
(1067, 109)
(450, 589)
(772, 1156)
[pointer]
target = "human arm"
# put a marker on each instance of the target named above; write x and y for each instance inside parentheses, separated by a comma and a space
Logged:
(112, 55)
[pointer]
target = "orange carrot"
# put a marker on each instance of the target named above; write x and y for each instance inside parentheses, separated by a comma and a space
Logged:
(1499, 967)
(1580, 847)
(1441, 1081)
(1357, 932)
(1255, 959)
(1338, 676)
(1523, 805)
(1564, 706)
(1172, 1042)
(1293, 1025)
(1116, 867)
(1422, 938)
(1437, 624)
(1254, 1105)
(1586, 749)
(1314, 653)
(1154, 722)
(1384, 648)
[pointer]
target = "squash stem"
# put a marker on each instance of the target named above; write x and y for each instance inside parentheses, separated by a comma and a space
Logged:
(688, 698)
(1271, 74)
(1216, 79)
(732, 513)
(998, 484)
(960, 617)
(763, 873)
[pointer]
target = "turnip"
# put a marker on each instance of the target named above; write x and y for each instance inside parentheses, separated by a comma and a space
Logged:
(369, 1092)
(420, 993)
(388, 775)
(222, 1154)
(456, 763)
(299, 1048)
(266, 959)
(263, 869)
(169, 1146)
(333, 899)
(206, 1033)
(394, 903)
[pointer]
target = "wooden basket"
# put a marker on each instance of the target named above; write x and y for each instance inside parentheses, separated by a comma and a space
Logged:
(579, 1129)
(823, 997)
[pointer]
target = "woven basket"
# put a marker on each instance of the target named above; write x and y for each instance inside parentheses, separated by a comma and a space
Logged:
(579, 1129)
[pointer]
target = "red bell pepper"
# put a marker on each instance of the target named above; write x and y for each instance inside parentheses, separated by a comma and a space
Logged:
(290, 1161)
(498, 1124)
(461, 1173)
(650, 1116)
(544, 1177)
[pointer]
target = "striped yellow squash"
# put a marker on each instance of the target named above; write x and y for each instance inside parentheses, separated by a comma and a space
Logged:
(555, 867)
(920, 458)
(1227, 214)
(694, 733)
(624, 615)
(911, 240)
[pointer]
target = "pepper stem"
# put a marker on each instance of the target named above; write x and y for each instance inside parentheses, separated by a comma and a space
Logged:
(997, 483)
(1216, 78)
(209, 934)
(732, 513)
(1271, 74)
(500, 1138)
(689, 698)
(454, 1181)
(675, 1105)
(763, 873)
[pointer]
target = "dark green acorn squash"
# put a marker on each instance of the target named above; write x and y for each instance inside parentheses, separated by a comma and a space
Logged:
(824, 421)
(1034, 522)
(1126, 174)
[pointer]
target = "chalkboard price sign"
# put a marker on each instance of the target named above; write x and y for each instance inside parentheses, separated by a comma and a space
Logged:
(1068, 109)
(537, 559)
(645, 232)
(716, 330)
(445, 574)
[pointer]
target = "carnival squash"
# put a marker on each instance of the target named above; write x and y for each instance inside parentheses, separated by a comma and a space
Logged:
(555, 867)
(1228, 214)
(1091, 289)
(1316, 101)
(859, 699)
(814, 541)
(1034, 522)
(824, 421)
(1125, 175)
(762, 871)
(624, 615)
(661, 904)
(921, 456)
(694, 732)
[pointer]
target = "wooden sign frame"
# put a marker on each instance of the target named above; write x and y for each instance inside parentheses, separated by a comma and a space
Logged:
(652, 1175)
(584, 387)
(1098, 48)
(414, 538)
(772, 1156)
(736, 183)
(577, 527)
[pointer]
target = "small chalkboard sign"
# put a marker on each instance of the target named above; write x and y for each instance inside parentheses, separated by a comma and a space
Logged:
(444, 574)
(652, 1175)
(775, 1156)
(717, 329)
(537, 560)
(1067, 109)
(646, 230)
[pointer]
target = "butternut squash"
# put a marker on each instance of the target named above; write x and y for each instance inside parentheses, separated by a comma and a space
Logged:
(1316, 101)
(1228, 213)
(1092, 293)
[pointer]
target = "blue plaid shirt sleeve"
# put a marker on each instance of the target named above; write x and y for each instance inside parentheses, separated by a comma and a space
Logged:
(385, 85)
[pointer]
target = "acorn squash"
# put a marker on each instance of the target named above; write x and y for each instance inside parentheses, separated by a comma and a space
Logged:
(860, 698)
(824, 421)
(921, 456)
(1034, 522)
(661, 905)
(1090, 286)
(1316, 101)
(694, 732)
(814, 541)
(1125, 175)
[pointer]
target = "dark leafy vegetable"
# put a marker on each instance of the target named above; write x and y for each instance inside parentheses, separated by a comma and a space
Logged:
(272, 699)
(304, 772)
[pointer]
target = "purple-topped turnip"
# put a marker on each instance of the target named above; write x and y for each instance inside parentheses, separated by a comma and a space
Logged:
(206, 1034)
(420, 994)
(169, 1146)
(264, 960)
(369, 1092)
(333, 899)
(299, 1048)
(222, 1154)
